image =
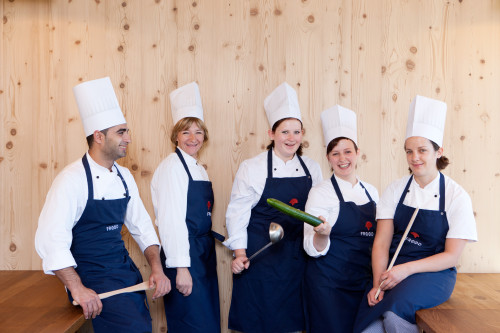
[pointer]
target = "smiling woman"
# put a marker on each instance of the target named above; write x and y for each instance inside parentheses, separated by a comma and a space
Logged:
(340, 248)
(183, 199)
(269, 286)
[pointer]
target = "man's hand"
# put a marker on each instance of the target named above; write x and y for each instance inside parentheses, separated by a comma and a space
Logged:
(87, 298)
(157, 277)
(161, 283)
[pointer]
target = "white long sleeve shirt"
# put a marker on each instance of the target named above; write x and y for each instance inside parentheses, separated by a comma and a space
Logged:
(66, 201)
(458, 205)
(248, 186)
(169, 189)
(323, 201)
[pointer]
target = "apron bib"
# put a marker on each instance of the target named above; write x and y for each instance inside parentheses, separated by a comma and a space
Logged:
(422, 290)
(268, 296)
(103, 263)
(335, 283)
(200, 311)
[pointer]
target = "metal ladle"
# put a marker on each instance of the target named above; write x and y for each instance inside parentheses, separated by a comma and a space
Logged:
(276, 233)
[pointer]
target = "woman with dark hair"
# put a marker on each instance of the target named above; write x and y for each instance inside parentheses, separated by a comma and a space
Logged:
(424, 273)
(267, 293)
(183, 199)
(339, 268)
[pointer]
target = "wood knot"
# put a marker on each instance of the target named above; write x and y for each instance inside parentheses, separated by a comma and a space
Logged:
(126, 27)
(196, 26)
(158, 1)
(485, 117)
(9, 145)
(145, 173)
(194, 4)
(122, 85)
(155, 99)
(462, 137)
(43, 165)
(205, 166)
(383, 69)
(13, 131)
(363, 157)
(1, 159)
(124, 4)
(254, 12)
(120, 48)
(5, 19)
(361, 47)
(410, 65)
(97, 1)
(134, 167)
(305, 144)
(191, 48)
(310, 18)
(483, 61)
(413, 49)
(261, 67)
(12, 247)
(394, 97)
(438, 90)
(154, 46)
(364, 16)
(277, 12)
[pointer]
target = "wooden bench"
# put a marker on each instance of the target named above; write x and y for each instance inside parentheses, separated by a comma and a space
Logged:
(31, 301)
(474, 306)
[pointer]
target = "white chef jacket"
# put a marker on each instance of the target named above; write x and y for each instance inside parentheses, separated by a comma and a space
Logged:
(458, 205)
(248, 186)
(323, 201)
(169, 189)
(66, 202)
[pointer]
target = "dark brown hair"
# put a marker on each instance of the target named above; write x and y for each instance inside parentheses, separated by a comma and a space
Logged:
(90, 138)
(442, 162)
(336, 141)
(275, 126)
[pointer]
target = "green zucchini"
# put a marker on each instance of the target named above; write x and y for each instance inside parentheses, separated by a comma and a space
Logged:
(294, 212)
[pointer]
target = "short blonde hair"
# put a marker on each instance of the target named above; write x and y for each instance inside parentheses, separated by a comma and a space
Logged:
(184, 124)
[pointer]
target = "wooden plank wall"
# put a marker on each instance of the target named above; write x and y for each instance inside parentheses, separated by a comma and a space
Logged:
(370, 56)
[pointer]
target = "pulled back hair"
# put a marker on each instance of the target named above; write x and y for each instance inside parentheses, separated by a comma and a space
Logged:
(184, 124)
(442, 162)
(275, 126)
(336, 141)
(90, 138)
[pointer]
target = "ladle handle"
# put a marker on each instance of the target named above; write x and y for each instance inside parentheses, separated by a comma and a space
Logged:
(256, 253)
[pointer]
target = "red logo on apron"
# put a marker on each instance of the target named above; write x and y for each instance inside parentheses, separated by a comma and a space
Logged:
(368, 225)
(414, 234)
(209, 205)
(293, 201)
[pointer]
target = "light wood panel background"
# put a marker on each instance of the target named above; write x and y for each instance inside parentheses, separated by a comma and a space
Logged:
(370, 56)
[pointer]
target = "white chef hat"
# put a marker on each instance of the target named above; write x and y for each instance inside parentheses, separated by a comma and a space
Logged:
(98, 105)
(338, 122)
(186, 102)
(426, 118)
(282, 103)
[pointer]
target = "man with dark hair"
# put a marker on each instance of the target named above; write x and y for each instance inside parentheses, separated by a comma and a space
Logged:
(78, 235)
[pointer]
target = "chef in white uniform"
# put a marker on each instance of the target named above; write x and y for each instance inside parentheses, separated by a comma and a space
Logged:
(78, 235)
(339, 269)
(267, 294)
(183, 201)
(424, 273)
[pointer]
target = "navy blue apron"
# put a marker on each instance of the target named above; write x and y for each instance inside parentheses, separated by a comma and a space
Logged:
(268, 296)
(200, 311)
(422, 290)
(335, 284)
(103, 263)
